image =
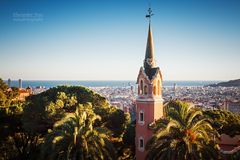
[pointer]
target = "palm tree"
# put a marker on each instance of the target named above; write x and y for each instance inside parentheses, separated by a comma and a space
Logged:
(184, 134)
(78, 139)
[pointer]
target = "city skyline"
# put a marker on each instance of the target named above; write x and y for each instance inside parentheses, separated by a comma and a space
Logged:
(92, 40)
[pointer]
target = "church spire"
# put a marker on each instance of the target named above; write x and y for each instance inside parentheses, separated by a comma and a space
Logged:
(149, 61)
(149, 55)
(149, 102)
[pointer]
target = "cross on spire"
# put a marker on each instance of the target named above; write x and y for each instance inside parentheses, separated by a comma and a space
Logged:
(150, 14)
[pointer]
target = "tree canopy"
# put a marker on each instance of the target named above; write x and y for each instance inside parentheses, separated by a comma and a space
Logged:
(42, 111)
(28, 126)
(224, 121)
(185, 133)
(77, 138)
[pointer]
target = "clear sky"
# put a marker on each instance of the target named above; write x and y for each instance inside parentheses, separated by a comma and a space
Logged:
(106, 39)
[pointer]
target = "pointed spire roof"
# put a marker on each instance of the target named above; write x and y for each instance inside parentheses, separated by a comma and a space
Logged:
(149, 55)
(149, 62)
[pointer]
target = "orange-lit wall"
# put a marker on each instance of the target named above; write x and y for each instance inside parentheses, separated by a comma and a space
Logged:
(151, 104)
(152, 111)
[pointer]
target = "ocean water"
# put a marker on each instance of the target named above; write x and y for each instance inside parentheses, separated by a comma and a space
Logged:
(54, 83)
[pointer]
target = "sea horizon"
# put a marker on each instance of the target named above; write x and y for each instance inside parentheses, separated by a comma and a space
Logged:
(106, 83)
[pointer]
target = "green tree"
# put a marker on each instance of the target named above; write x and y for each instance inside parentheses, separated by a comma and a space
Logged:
(77, 138)
(6, 96)
(3, 85)
(24, 126)
(3, 94)
(3, 99)
(118, 122)
(224, 121)
(43, 111)
(129, 142)
(14, 143)
(185, 134)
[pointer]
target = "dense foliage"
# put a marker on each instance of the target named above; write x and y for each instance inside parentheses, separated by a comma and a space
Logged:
(224, 121)
(14, 142)
(77, 138)
(26, 127)
(184, 134)
(6, 96)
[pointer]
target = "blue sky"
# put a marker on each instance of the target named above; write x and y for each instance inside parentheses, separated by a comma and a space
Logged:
(106, 40)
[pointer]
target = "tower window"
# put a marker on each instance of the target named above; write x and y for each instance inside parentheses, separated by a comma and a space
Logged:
(141, 87)
(159, 87)
(145, 90)
(154, 90)
(141, 143)
(141, 117)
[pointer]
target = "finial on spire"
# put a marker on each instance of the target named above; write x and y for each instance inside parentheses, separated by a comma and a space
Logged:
(150, 14)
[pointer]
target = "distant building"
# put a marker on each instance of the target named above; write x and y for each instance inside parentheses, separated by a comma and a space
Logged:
(38, 90)
(174, 89)
(9, 82)
(232, 105)
(117, 104)
(132, 88)
(149, 102)
(29, 90)
(20, 83)
(23, 93)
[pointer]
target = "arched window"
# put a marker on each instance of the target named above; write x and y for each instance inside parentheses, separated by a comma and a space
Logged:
(159, 87)
(141, 87)
(154, 90)
(145, 90)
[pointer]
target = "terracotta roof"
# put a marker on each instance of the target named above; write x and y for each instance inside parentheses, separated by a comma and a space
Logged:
(22, 91)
